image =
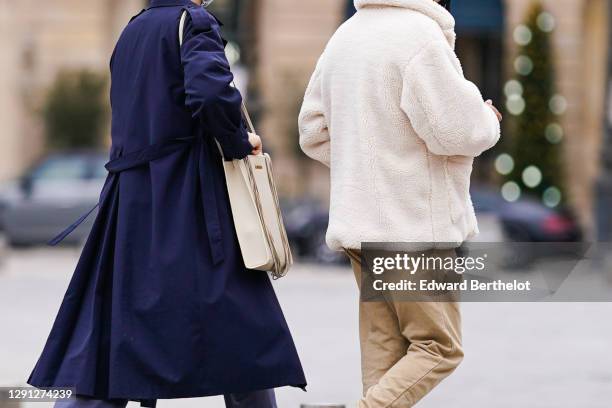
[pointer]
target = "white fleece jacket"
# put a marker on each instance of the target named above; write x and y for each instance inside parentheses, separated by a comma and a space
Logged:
(389, 111)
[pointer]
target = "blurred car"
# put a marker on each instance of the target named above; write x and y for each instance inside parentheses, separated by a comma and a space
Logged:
(306, 223)
(529, 221)
(51, 196)
(526, 220)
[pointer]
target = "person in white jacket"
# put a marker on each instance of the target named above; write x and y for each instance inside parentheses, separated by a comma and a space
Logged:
(389, 110)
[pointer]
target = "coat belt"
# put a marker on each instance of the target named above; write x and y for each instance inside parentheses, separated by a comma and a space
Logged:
(145, 156)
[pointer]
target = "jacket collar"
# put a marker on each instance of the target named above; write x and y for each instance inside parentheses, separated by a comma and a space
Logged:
(430, 8)
(168, 3)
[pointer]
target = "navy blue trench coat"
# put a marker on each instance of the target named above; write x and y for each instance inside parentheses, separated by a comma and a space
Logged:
(161, 305)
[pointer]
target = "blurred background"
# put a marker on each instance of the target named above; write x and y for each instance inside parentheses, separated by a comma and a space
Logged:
(545, 63)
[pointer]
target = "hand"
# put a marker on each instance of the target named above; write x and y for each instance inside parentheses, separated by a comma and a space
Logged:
(255, 141)
(500, 117)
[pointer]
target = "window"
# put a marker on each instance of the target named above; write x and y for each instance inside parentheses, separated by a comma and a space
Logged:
(61, 168)
(350, 9)
(480, 46)
(228, 11)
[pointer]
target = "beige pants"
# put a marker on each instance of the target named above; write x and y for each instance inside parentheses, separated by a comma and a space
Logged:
(407, 348)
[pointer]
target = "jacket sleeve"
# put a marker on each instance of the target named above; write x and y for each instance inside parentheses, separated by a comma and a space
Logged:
(208, 79)
(446, 110)
(314, 130)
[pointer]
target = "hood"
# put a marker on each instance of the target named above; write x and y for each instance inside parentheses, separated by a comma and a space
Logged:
(430, 8)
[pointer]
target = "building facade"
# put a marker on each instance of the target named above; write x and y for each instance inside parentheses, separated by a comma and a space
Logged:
(279, 42)
(38, 40)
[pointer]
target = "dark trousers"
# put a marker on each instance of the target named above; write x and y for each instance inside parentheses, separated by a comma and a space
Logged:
(256, 399)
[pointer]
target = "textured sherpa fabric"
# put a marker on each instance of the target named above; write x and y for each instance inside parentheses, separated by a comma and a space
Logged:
(389, 110)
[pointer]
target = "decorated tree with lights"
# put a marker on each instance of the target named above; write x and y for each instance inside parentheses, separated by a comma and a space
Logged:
(532, 164)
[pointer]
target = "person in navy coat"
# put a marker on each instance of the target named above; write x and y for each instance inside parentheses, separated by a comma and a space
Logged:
(161, 305)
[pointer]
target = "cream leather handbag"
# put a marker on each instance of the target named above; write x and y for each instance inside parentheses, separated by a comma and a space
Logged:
(255, 207)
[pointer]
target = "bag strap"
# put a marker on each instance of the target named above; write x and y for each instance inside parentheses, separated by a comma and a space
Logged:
(243, 107)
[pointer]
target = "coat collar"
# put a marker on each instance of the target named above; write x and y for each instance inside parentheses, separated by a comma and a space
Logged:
(168, 3)
(430, 8)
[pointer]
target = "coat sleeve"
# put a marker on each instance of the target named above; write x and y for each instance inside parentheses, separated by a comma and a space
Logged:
(446, 110)
(314, 130)
(208, 79)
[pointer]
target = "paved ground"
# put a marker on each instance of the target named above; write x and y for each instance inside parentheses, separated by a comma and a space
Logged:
(517, 355)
